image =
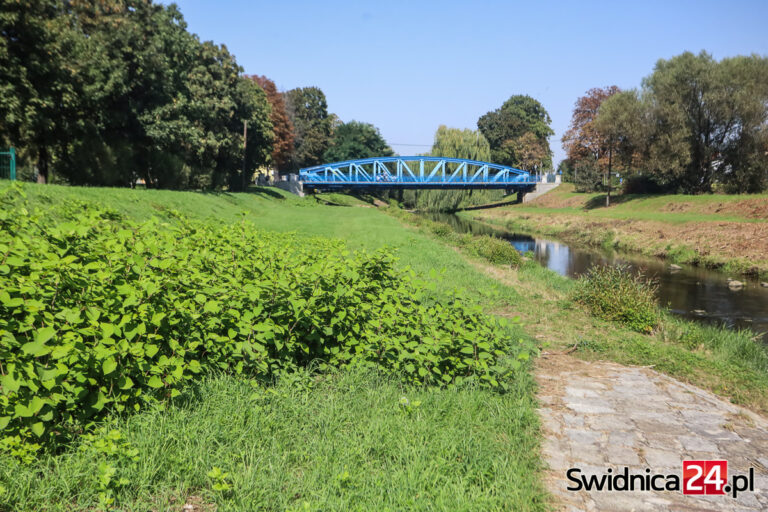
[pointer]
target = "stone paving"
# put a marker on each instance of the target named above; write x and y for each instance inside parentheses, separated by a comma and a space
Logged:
(599, 415)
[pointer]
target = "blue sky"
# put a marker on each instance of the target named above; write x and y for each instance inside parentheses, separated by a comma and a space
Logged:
(408, 67)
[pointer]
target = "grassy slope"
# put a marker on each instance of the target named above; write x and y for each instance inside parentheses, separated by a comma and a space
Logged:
(275, 210)
(468, 450)
(298, 447)
(654, 207)
(711, 230)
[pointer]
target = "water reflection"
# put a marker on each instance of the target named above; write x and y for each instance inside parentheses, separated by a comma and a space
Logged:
(695, 293)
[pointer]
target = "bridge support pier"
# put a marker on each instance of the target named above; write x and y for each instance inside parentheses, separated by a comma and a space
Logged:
(292, 185)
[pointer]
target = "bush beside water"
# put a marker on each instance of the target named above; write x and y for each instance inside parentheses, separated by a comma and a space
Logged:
(617, 294)
(99, 314)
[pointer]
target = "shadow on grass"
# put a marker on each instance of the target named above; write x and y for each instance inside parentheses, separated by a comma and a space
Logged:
(487, 206)
(264, 192)
(599, 200)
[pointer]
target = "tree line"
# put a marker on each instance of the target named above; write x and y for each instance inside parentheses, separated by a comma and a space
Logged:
(117, 92)
(110, 93)
(695, 125)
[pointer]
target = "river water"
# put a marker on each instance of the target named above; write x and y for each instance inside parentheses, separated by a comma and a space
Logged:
(693, 292)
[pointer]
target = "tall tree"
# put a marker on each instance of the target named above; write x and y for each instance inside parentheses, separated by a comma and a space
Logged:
(695, 123)
(282, 147)
(701, 112)
(623, 122)
(454, 143)
(308, 111)
(354, 140)
(745, 155)
(582, 140)
(38, 91)
(109, 91)
(505, 126)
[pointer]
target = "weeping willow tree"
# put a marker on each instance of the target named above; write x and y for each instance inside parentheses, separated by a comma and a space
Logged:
(454, 143)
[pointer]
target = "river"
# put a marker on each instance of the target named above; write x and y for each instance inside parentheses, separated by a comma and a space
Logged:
(693, 292)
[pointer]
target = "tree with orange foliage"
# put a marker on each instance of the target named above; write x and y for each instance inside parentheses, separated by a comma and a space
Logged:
(589, 150)
(582, 140)
(281, 124)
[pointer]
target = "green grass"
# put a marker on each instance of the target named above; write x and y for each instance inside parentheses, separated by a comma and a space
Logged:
(461, 449)
(730, 363)
(616, 294)
(333, 442)
(643, 207)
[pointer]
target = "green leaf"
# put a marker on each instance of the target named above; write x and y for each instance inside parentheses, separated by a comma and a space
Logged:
(44, 334)
(101, 401)
(125, 382)
(14, 261)
(109, 365)
(194, 366)
(36, 348)
(155, 382)
(9, 383)
(157, 319)
(38, 429)
(212, 307)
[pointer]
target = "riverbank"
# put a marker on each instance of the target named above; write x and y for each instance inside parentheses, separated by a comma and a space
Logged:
(338, 440)
(731, 364)
(726, 232)
(597, 414)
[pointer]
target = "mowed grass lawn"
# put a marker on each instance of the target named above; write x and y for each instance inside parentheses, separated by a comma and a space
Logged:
(672, 208)
(338, 441)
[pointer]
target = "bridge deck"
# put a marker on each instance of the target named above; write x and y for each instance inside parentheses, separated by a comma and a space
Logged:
(416, 172)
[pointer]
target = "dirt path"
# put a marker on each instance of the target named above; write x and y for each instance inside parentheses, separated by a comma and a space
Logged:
(600, 415)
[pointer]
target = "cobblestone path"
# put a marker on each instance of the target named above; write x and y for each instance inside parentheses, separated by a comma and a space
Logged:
(599, 415)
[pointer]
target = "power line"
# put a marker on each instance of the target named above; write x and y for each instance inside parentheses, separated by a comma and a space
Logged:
(420, 145)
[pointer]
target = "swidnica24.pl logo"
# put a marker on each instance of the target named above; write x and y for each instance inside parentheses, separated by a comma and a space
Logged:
(698, 477)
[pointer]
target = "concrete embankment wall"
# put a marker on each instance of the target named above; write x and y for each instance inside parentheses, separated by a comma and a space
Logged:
(292, 185)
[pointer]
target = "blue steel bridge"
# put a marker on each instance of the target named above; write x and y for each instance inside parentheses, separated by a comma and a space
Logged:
(416, 172)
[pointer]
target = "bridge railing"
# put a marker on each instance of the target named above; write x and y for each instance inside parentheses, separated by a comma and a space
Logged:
(405, 171)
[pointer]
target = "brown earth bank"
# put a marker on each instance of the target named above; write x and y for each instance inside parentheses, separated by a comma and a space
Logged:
(735, 246)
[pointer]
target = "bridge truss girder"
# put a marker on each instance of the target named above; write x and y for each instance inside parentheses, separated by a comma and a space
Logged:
(416, 172)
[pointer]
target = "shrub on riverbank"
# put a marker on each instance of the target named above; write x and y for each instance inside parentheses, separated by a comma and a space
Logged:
(496, 250)
(100, 314)
(617, 294)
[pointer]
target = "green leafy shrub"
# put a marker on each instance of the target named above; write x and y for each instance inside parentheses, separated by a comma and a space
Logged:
(98, 314)
(441, 230)
(496, 250)
(617, 294)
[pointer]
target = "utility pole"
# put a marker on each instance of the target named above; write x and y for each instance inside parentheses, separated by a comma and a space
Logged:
(610, 159)
(245, 146)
